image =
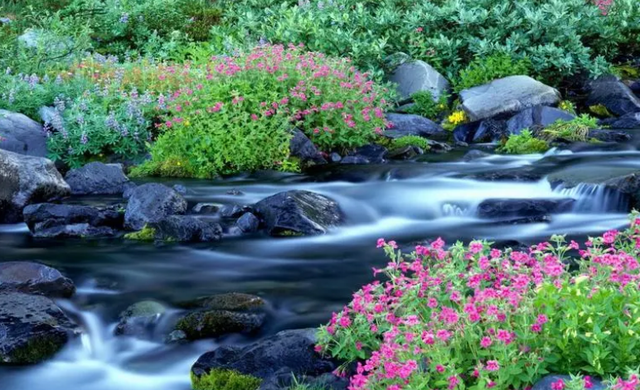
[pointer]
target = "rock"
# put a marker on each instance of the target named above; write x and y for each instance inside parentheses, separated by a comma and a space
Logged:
(536, 117)
(291, 352)
(180, 189)
(502, 208)
(183, 228)
(32, 328)
(506, 96)
(628, 121)
(205, 208)
(605, 135)
(490, 130)
(524, 174)
(418, 76)
(176, 337)
(235, 192)
(392, 61)
(151, 203)
(248, 223)
(228, 301)
(335, 157)
(299, 213)
(21, 135)
(25, 180)
(611, 93)
(34, 278)
(635, 87)
(140, 319)
(231, 211)
(215, 323)
(47, 220)
(301, 147)
(97, 178)
(546, 382)
(367, 154)
(438, 147)
(405, 153)
(475, 155)
(409, 124)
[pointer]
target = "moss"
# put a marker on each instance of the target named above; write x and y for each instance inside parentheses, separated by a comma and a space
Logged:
(37, 350)
(219, 379)
(410, 140)
(214, 323)
(288, 233)
(146, 234)
(600, 111)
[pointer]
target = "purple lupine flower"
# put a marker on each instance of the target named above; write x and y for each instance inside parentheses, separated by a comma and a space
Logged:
(80, 120)
(59, 103)
(58, 80)
(12, 95)
(84, 139)
(124, 19)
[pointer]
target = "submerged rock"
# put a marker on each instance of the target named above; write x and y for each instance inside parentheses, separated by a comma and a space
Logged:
(140, 319)
(418, 76)
(506, 96)
(187, 228)
(288, 353)
(215, 323)
(26, 180)
(22, 135)
(98, 179)
(34, 278)
(611, 93)
(32, 328)
(228, 301)
(508, 208)
(151, 203)
(410, 124)
(47, 220)
(299, 213)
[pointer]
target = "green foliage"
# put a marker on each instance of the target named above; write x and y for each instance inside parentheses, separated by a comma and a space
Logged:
(560, 37)
(523, 143)
(567, 106)
(410, 140)
(576, 130)
(427, 106)
(496, 66)
(219, 379)
(600, 110)
(146, 234)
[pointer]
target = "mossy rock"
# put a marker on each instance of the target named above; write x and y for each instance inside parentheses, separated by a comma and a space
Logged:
(140, 319)
(229, 301)
(219, 379)
(600, 110)
(215, 323)
(147, 234)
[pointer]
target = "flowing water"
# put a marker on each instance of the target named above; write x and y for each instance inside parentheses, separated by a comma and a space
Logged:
(303, 279)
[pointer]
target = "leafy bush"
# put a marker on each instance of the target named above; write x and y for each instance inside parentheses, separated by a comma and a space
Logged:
(576, 130)
(524, 143)
(560, 37)
(425, 105)
(478, 317)
(235, 105)
(496, 66)
(410, 140)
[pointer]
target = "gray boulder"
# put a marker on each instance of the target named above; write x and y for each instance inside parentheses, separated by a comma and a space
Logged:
(248, 223)
(418, 76)
(409, 124)
(611, 93)
(299, 213)
(34, 278)
(506, 96)
(301, 147)
(19, 134)
(187, 228)
(536, 117)
(47, 220)
(140, 319)
(289, 353)
(97, 178)
(151, 203)
(628, 121)
(32, 328)
(25, 180)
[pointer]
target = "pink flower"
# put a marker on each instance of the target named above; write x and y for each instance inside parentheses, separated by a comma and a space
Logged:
(536, 328)
(486, 342)
(558, 385)
(492, 365)
(453, 382)
(419, 29)
(476, 246)
(440, 368)
(587, 382)
(380, 242)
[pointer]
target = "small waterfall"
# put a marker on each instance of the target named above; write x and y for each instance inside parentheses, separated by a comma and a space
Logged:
(595, 198)
(454, 210)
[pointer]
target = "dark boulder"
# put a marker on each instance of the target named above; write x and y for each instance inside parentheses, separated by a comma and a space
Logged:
(34, 278)
(48, 220)
(405, 153)
(525, 174)
(535, 118)
(183, 228)
(215, 323)
(409, 124)
(98, 179)
(140, 319)
(301, 147)
(248, 223)
(228, 301)
(232, 211)
(21, 135)
(611, 93)
(206, 208)
(367, 154)
(475, 154)
(507, 208)
(299, 213)
(547, 382)
(628, 121)
(151, 203)
(26, 180)
(291, 352)
(32, 328)
(488, 130)
(605, 135)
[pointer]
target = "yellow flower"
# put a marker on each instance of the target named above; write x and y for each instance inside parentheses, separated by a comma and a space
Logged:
(187, 123)
(457, 117)
(178, 163)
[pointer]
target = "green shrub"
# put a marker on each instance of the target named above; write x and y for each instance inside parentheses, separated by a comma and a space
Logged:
(219, 379)
(425, 105)
(410, 140)
(523, 143)
(237, 105)
(485, 70)
(576, 130)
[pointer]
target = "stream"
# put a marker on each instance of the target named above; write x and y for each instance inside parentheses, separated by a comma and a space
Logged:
(303, 279)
